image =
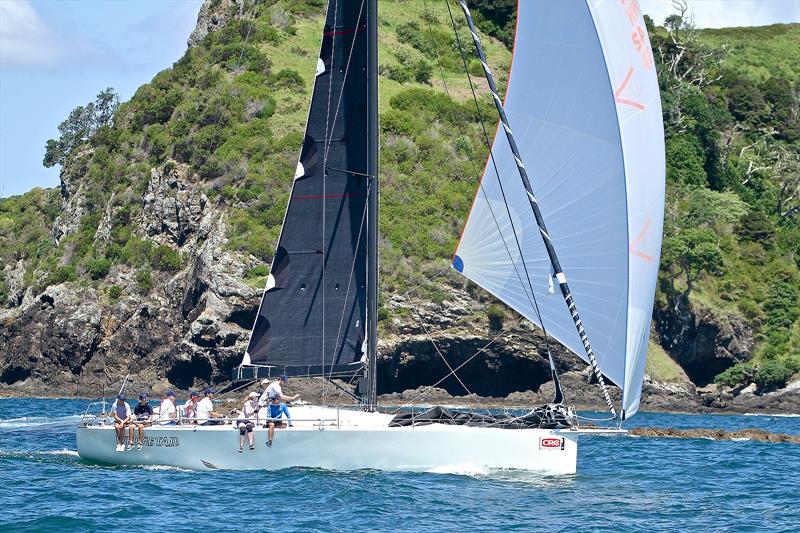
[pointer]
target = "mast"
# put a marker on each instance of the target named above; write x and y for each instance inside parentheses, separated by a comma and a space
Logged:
(558, 272)
(372, 205)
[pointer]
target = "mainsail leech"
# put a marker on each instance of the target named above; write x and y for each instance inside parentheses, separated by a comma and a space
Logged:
(559, 274)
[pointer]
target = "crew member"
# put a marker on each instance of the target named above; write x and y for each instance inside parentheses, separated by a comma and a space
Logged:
(122, 417)
(141, 418)
(206, 416)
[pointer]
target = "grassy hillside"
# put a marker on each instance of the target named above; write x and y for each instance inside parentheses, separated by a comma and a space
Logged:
(761, 52)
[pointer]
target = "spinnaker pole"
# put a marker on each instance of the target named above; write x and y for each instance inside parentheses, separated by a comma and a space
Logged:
(558, 272)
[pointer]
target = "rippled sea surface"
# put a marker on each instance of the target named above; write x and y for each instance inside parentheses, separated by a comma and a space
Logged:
(623, 483)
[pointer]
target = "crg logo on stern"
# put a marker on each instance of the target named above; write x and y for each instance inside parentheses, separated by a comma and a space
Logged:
(551, 443)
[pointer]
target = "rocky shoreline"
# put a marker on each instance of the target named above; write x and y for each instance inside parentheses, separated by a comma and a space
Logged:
(656, 397)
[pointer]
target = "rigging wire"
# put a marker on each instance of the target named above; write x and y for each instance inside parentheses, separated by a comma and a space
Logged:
(441, 355)
(427, 389)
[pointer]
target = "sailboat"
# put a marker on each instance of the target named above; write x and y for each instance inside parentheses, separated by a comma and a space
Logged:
(572, 195)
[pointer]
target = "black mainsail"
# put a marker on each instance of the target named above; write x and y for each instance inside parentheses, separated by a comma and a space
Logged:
(316, 316)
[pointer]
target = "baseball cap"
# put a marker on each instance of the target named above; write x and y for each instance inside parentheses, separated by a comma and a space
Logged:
(284, 378)
(253, 395)
(264, 381)
(121, 397)
(143, 396)
(170, 393)
(194, 394)
(209, 390)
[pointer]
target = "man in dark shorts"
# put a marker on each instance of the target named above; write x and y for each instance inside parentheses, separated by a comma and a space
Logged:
(141, 418)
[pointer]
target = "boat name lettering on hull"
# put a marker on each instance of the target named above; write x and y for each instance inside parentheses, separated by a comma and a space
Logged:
(159, 442)
(551, 443)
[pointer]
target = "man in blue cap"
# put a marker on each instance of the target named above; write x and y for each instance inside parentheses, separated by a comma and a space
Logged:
(122, 417)
(206, 416)
(142, 414)
(168, 412)
(190, 408)
(277, 406)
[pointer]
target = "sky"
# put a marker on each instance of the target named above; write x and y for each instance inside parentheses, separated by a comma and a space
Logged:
(58, 54)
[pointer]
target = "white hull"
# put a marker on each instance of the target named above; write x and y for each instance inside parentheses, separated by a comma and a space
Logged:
(356, 441)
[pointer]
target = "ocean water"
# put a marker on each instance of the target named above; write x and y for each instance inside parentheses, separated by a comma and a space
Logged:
(622, 484)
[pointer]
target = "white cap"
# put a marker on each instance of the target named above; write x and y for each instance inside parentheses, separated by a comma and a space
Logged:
(253, 395)
(264, 381)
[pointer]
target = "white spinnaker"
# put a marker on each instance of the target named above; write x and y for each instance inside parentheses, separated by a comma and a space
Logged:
(567, 104)
(632, 72)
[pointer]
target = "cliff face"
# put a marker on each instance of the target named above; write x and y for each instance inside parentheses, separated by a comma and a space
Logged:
(188, 326)
(180, 315)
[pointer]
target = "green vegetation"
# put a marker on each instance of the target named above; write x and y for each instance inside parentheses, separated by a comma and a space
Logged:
(661, 367)
(114, 292)
(496, 314)
(232, 110)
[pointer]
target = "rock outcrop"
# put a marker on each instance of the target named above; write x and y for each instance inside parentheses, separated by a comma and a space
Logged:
(702, 342)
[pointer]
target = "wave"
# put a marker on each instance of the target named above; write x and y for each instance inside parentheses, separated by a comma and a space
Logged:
(776, 415)
(35, 421)
(58, 456)
(460, 470)
(162, 467)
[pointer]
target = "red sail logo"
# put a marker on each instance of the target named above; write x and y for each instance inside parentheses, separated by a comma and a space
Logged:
(549, 443)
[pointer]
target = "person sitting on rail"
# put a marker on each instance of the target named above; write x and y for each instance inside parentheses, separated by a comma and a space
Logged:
(168, 413)
(246, 420)
(190, 408)
(274, 392)
(141, 418)
(206, 416)
(263, 399)
(122, 417)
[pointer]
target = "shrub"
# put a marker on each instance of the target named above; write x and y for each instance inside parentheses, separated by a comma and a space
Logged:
(144, 280)
(114, 292)
(98, 268)
(771, 375)
(735, 376)
(423, 72)
(475, 68)
(165, 259)
(257, 272)
(62, 274)
(288, 78)
(496, 316)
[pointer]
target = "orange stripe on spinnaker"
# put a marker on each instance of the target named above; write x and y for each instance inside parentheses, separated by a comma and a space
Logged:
(621, 88)
(632, 248)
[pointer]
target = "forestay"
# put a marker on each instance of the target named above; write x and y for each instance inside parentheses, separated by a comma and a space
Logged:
(584, 105)
(312, 316)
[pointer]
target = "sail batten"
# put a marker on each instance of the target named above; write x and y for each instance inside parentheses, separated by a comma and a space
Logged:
(586, 126)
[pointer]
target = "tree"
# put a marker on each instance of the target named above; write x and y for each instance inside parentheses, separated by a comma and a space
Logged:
(687, 255)
(81, 124)
(686, 59)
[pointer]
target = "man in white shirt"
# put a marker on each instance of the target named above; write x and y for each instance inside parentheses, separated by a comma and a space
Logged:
(206, 416)
(168, 413)
(263, 401)
(276, 395)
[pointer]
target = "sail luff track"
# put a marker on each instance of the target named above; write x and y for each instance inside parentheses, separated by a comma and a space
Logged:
(558, 271)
